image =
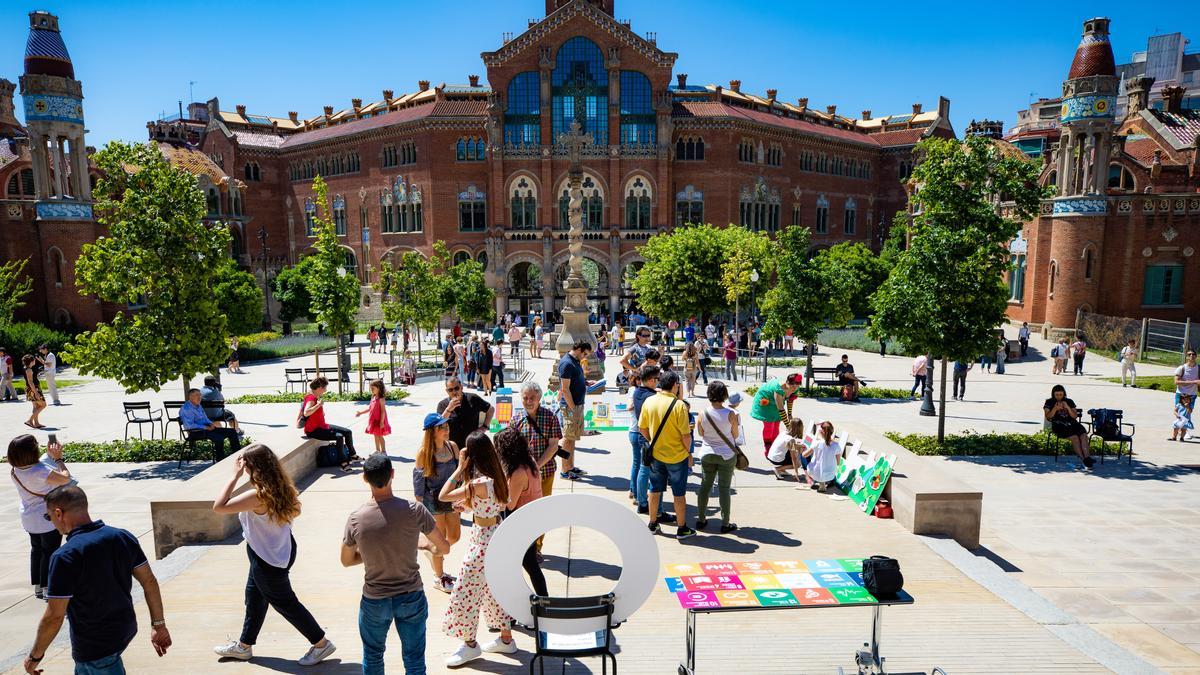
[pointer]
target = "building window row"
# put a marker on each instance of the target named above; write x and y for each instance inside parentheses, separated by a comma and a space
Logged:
(638, 204)
(905, 169)
(579, 90)
(834, 165)
(335, 165)
(689, 149)
(638, 122)
(472, 210)
(253, 171)
(400, 208)
(398, 155)
(775, 155)
(746, 151)
(470, 150)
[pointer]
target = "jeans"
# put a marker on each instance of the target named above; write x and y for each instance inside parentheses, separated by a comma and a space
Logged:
(218, 436)
(999, 364)
(498, 375)
(343, 436)
(918, 383)
(720, 469)
(269, 586)
(40, 548)
(1079, 363)
(676, 475)
(731, 369)
(1024, 347)
(639, 475)
(985, 362)
(108, 665)
(408, 611)
(704, 369)
(960, 384)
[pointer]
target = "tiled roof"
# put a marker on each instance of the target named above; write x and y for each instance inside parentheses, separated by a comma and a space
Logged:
(357, 126)
(1093, 57)
(1183, 125)
(1142, 150)
(191, 160)
(460, 108)
(900, 137)
(7, 152)
(45, 54)
(711, 109)
(253, 139)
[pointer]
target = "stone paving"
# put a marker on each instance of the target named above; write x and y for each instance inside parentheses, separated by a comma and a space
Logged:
(1104, 546)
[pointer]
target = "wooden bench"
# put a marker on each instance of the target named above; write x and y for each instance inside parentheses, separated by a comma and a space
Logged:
(830, 378)
(925, 497)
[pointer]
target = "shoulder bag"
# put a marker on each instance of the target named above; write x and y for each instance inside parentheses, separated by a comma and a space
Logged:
(648, 451)
(742, 462)
(881, 576)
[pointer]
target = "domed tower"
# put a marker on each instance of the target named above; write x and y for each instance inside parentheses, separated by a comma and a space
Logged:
(1078, 218)
(53, 101)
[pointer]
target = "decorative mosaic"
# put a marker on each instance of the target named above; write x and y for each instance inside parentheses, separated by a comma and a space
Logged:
(689, 194)
(1019, 246)
(51, 108)
(1125, 206)
(64, 211)
(1169, 233)
(1147, 206)
(1081, 206)
(1088, 107)
(471, 194)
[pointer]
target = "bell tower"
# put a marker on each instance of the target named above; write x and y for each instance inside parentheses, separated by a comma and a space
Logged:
(605, 6)
(53, 101)
(1088, 108)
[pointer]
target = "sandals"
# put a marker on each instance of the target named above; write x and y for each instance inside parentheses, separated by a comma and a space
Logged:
(346, 467)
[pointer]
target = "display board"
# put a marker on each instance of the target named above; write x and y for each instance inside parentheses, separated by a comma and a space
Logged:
(862, 476)
(765, 584)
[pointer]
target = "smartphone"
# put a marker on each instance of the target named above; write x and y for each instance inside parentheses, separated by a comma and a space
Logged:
(53, 439)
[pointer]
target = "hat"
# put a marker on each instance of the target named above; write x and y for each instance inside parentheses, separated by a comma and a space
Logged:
(735, 399)
(433, 420)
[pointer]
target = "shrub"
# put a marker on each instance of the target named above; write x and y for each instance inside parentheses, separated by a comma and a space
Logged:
(19, 384)
(836, 392)
(782, 362)
(24, 337)
(856, 338)
(255, 338)
(296, 397)
(282, 347)
(134, 450)
(979, 445)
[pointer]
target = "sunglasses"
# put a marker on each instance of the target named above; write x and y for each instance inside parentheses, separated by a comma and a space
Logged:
(451, 390)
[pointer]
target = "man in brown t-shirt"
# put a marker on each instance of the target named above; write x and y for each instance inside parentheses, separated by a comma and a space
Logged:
(384, 535)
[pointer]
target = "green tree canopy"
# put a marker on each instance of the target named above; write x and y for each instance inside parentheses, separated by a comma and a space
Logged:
(157, 255)
(411, 291)
(290, 286)
(334, 294)
(807, 295)
(14, 286)
(239, 297)
(867, 272)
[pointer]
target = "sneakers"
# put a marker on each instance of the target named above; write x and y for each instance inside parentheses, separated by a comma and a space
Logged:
(684, 532)
(234, 650)
(654, 528)
(728, 527)
(702, 523)
(463, 655)
(445, 583)
(567, 475)
(1089, 462)
(39, 592)
(577, 471)
(499, 646)
(666, 519)
(316, 654)
(643, 510)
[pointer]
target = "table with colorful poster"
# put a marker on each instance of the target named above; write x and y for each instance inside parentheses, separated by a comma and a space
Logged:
(716, 587)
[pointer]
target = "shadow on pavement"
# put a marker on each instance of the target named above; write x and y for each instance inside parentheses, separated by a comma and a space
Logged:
(1003, 564)
(287, 666)
(1111, 469)
(720, 542)
(163, 471)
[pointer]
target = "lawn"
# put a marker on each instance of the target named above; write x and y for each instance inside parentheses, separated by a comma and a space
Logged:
(61, 384)
(1158, 382)
(981, 445)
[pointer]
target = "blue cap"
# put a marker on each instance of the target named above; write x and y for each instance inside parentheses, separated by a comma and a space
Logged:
(433, 420)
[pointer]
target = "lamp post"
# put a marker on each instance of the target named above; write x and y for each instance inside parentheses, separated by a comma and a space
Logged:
(343, 357)
(263, 255)
(753, 306)
(927, 407)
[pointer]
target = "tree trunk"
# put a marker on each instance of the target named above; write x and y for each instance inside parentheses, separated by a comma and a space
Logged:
(942, 408)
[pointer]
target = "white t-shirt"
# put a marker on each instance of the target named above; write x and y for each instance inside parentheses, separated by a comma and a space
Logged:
(713, 443)
(918, 367)
(710, 331)
(33, 507)
(822, 466)
(51, 363)
(498, 355)
(1128, 354)
(1186, 372)
(779, 449)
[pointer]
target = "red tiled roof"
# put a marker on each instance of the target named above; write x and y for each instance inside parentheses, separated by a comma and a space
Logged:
(1142, 150)
(1183, 125)
(900, 137)
(1093, 57)
(713, 109)
(358, 126)
(460, 108)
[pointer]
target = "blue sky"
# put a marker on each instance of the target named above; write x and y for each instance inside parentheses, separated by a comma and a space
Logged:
(136, 58)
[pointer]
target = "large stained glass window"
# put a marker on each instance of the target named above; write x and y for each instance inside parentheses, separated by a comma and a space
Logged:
(522, 120)
(637, 109)
(579, 86)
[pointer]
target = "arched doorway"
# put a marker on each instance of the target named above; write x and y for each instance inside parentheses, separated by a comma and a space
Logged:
(628, 299)
(525, 288)
(595, 276)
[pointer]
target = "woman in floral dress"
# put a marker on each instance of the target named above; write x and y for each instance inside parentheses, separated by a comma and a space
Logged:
(480, 483)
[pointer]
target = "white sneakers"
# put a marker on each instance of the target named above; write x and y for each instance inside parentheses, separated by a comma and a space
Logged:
(499, 646)
(316, 654)
(463, 655)
(234, 650)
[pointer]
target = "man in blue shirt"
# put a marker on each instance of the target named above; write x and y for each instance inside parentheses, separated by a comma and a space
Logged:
(211, 394)
(90, 578)
(197, 425)
(573, 386)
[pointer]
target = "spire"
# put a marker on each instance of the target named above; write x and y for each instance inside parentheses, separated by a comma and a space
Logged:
(1094, 54)
(45, 53)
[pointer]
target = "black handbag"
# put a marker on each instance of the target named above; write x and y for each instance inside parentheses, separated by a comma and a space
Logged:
(881, 576)
(648, 451)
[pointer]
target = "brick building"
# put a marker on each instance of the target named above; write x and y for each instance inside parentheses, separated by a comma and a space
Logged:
(1119, 236)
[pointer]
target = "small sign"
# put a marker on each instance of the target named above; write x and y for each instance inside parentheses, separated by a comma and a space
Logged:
(698, 599)
(851, 595)
(834, 579)
(814, 596)
(737, 599)
(815, 566)
(776, 598)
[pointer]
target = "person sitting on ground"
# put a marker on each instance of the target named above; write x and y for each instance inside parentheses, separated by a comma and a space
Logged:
(824, 457)
(1183, 418)
(1063, 417)
(211, 394)
(847, 378)
(197, 425)
(786, 449)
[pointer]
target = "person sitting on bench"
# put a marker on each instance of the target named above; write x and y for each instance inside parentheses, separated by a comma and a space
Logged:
(198, 427)
(847, 378)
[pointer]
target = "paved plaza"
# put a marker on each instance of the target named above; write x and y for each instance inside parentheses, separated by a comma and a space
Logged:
(1079, 572)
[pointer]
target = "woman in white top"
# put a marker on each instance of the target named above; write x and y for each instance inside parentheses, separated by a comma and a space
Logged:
(266, 514)
(786, 451)
(718, 427)
(824, 457)
(33, 478)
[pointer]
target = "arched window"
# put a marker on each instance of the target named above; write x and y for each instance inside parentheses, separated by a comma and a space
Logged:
(1052, 277)
(638, 200)
(249, 171)
(592, 207)
(759, 207)
(1119, 178)
(523, 203)
(339, 215)
(351, 263)
(579, 86)
(1016, 278)
(21, 184)
(849, 220)
(461, 257)
(689, 206)
(310, 214)
(387, 213)
(56, 264)
(638, 122)
(213, 200)
(822, 226)
(235, 202)
(689, 149)
(472, 210)
(388, 158)
(523, 119)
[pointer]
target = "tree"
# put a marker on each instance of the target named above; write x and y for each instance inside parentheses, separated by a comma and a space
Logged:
(239, 298)
(160, 257)
(946, 295)
(465, 290)
(867, 272)
(334, 292)
(290, 286)
(411, 292)
(807, 294)
(14, 286)
(691, 270)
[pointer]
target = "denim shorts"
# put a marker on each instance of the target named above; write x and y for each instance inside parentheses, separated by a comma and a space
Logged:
(676, 474)
(108, 665)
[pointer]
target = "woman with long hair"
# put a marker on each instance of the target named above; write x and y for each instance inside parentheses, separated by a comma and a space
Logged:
(266, 514)
(1063, 417)
(33, 478)
(482, 486)
(33, 392)
(437, 460)
(524, 486)
(691, 367)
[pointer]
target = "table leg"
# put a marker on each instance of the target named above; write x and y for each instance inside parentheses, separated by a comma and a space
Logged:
(868, 660)
(688, 667)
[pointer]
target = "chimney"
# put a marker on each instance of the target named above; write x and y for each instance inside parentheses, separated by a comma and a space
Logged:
(474, 79)
(916, 108)
(328, 112)
(356, 103)
(802, 103)
(423, 85)
(681, 79)
(8, 116)
(241, 110)
(736, 85)
(388, 95)
(294, 116)
(1173, 99)
(771, 94)
(866, 115)
(1137, 94)
(831, 110)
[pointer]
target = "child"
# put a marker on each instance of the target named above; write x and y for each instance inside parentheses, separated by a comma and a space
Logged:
(825, 456)
(1183, 418)
(408, 368)
(377, 418)
(786, 449)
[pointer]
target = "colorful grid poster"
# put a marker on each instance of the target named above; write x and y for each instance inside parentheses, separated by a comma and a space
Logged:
(776, 583)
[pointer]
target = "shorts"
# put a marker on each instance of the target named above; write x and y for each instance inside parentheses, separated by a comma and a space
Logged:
(675, 474)
(437, 506)
(572, 423)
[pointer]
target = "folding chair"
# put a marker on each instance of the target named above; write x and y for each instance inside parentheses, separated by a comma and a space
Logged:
(294, 376)
(168, 407)
(589, 607)
(139, 413)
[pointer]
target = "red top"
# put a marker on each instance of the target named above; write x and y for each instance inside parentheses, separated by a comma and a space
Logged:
(730, 350)
(377, 419)
(315, 420)
(533, 489)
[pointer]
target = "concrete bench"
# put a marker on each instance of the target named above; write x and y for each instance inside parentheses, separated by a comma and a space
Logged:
(187, 516)
(925, 498)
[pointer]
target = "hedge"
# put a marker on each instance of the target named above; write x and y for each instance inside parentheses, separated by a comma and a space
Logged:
(24, 337)
(331, 397)
(779, 362)
(970, 444)
(134, 450)
(855, 338)
(836, 392)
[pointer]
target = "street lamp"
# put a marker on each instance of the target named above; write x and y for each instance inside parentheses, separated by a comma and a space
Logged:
(753, 305)
(264, 253)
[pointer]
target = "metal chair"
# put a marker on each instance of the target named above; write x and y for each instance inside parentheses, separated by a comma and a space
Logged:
(140, 413)
(294, 376)
(371, 373)
(168, 407)
(1109, 426)
(214, 410)
(589, 607)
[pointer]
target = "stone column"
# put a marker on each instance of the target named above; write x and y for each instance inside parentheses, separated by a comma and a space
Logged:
(80, 164)
(59, 168)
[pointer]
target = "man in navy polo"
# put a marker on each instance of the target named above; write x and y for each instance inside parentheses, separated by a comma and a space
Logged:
(90, 578)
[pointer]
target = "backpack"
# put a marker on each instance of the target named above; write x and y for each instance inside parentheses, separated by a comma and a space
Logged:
(1056, 352)
(332, 455)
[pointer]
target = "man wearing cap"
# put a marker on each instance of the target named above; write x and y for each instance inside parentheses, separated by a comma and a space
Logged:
(463, 411)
